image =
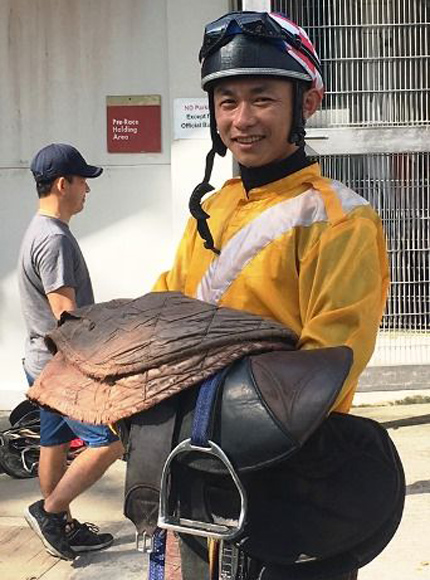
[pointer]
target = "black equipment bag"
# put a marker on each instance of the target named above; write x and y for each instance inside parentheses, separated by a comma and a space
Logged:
(20, 442)
(324, 495)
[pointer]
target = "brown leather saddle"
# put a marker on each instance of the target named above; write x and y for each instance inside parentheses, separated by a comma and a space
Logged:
(299, 491)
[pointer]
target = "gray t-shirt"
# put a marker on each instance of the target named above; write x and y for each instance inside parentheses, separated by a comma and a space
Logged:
(50, 258)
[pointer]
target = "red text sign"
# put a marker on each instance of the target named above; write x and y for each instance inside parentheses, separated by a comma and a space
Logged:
(134, 124)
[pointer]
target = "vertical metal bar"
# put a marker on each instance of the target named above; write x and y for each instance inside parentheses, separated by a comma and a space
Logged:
(408, 52)
(394, 64)
(426, 247)
(365, 61)
(323, 44)
(419, 241)
(401, 239)
(426, 68)
(383, 64)
(408, 297)
(339, 57)
(414, 63)
(392, 202)
(370, 97)
(399, 68)
(397, 220)
(409, 61)
(389, 70)
(351, 51)
(356, 102)
(334, 62)
(421, 220)
(421, 49)
(413, 270)
(398, 65)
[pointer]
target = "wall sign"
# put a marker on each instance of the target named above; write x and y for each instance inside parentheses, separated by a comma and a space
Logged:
(191, 118)
(134, 124)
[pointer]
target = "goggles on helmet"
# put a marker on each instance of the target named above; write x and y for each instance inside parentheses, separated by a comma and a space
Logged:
(258, 25)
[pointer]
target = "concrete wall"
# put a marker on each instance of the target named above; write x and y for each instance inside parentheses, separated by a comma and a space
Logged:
(58, 62)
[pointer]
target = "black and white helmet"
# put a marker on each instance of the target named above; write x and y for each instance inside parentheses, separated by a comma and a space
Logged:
(247, 44)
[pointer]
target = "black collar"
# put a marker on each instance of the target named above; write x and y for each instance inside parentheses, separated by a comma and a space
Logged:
(257, 176)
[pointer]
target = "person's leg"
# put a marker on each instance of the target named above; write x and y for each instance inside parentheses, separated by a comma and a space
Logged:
(84, 471)
(55, 437)
(88, 467)
(52, 467)
(50, 518)
(103, 449)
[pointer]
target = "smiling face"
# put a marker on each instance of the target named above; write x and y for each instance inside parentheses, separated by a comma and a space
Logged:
(254, 117)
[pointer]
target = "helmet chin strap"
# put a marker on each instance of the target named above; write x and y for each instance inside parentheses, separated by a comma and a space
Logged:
(196, 209)
(297, 133)
(205, 187)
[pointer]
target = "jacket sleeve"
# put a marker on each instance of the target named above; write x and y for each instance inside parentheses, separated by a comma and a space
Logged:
(175, 278)
(343, 285)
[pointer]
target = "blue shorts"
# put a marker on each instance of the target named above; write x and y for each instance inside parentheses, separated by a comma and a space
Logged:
(57, 429)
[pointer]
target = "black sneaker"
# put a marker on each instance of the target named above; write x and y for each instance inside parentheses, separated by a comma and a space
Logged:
(85, 537)
(51, 530)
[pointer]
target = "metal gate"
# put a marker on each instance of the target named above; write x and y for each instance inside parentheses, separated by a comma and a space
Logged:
(373, 134)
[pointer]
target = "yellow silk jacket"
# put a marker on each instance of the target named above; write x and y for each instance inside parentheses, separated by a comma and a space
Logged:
(305, 251)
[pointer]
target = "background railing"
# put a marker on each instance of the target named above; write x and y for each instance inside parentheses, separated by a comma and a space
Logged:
(397, 186)
(373, 134)
(375, 56)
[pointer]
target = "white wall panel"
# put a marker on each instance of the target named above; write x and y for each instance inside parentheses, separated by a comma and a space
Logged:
(186, 20)
(58, 62)
(59, 59)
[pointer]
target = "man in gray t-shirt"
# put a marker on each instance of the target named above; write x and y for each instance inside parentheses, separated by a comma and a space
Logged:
(50, 259)
(54, 278)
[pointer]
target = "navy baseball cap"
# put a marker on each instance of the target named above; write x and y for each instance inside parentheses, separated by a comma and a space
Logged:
(59, 159)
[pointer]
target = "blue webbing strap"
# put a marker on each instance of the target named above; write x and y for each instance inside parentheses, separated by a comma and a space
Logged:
(199, 436)
(203, 410)
(157, 558)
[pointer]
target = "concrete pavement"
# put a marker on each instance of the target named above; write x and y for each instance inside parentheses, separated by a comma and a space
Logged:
(407, 557)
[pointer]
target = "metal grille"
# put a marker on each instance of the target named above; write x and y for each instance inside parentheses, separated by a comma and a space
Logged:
(375, 56)
(398, 187)
(376, 62)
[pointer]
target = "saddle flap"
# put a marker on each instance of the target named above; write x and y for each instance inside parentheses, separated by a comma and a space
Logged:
(270, 405)
(300, 387)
